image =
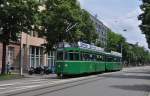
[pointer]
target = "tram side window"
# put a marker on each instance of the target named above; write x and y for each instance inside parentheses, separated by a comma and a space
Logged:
(115, 59)
(66, 56)
(109, 59)
(85, 57)
(88, 57)
(70, 56)
(76, 56)
(73, 56)
(60, 55)
(100, 58)
(119, 59)
(93, 57)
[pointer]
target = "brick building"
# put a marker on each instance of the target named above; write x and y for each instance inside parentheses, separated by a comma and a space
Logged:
(12, 55)
(32, 53)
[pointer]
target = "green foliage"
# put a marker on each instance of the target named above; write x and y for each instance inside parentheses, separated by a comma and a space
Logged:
(51, 22)
(58, 16)
(88, 28)
(145, 18)
(16, 16)
(137, 55)
(115, 41)
(10, 77)
(133, 54)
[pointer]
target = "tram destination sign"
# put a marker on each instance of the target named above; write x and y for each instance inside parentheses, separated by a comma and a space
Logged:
(81, 45)
(90, 47)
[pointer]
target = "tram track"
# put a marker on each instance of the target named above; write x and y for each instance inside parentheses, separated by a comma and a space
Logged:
(55, 87)
(74, 82)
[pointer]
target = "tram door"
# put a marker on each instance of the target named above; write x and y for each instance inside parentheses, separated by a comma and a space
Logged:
(51, 60)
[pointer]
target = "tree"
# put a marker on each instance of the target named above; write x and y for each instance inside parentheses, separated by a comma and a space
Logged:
(16, 16)
(145, 18)
(132, 54)
(58, 15)
(115, 41)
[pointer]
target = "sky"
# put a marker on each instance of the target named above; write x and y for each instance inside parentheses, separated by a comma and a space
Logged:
(118, 15)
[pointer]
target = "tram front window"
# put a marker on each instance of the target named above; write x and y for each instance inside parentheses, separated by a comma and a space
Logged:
(73, 56)
(60, 55)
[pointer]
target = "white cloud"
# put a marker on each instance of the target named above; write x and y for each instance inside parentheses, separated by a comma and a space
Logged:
(130, 23)
(118, 17)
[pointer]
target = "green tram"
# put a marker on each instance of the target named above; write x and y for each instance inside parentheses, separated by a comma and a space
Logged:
(75, 61)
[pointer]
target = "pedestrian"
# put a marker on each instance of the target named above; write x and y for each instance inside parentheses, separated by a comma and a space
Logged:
(8, 68)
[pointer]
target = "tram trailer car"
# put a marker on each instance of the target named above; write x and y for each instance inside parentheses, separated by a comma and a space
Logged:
(113, 62)
(75, 61)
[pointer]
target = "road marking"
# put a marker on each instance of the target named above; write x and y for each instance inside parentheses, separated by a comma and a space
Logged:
(6, 85)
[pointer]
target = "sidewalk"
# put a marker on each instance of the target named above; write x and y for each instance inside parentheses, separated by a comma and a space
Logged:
(54, 76)
(39, 76)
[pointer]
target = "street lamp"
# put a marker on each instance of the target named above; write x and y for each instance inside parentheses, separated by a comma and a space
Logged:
(21, 55)
(121, 48)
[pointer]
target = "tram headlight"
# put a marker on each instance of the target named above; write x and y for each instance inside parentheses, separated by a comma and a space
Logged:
(66, 65)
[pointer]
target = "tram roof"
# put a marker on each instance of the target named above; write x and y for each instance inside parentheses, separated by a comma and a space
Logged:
(109, 54)
(64, 46)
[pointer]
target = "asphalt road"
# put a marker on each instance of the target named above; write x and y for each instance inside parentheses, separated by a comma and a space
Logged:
(129, 82)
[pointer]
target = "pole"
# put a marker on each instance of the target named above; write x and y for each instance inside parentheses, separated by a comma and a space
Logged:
(21, 56)
(121, 49)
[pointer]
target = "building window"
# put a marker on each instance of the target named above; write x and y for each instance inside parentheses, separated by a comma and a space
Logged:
(36, 56)
(51, 59)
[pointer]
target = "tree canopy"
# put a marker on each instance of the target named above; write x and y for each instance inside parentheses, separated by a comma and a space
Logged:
(54, 20)
(59, 15)
(133, 54)
(115, 41)
(16, 16)
(145, 18)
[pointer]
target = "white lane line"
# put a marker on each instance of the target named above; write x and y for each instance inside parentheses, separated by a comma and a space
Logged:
(5, 85)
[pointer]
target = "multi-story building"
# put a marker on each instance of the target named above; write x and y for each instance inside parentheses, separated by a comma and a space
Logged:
(28, 52)
(102, 30)
(33, 54)
(12, 55)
